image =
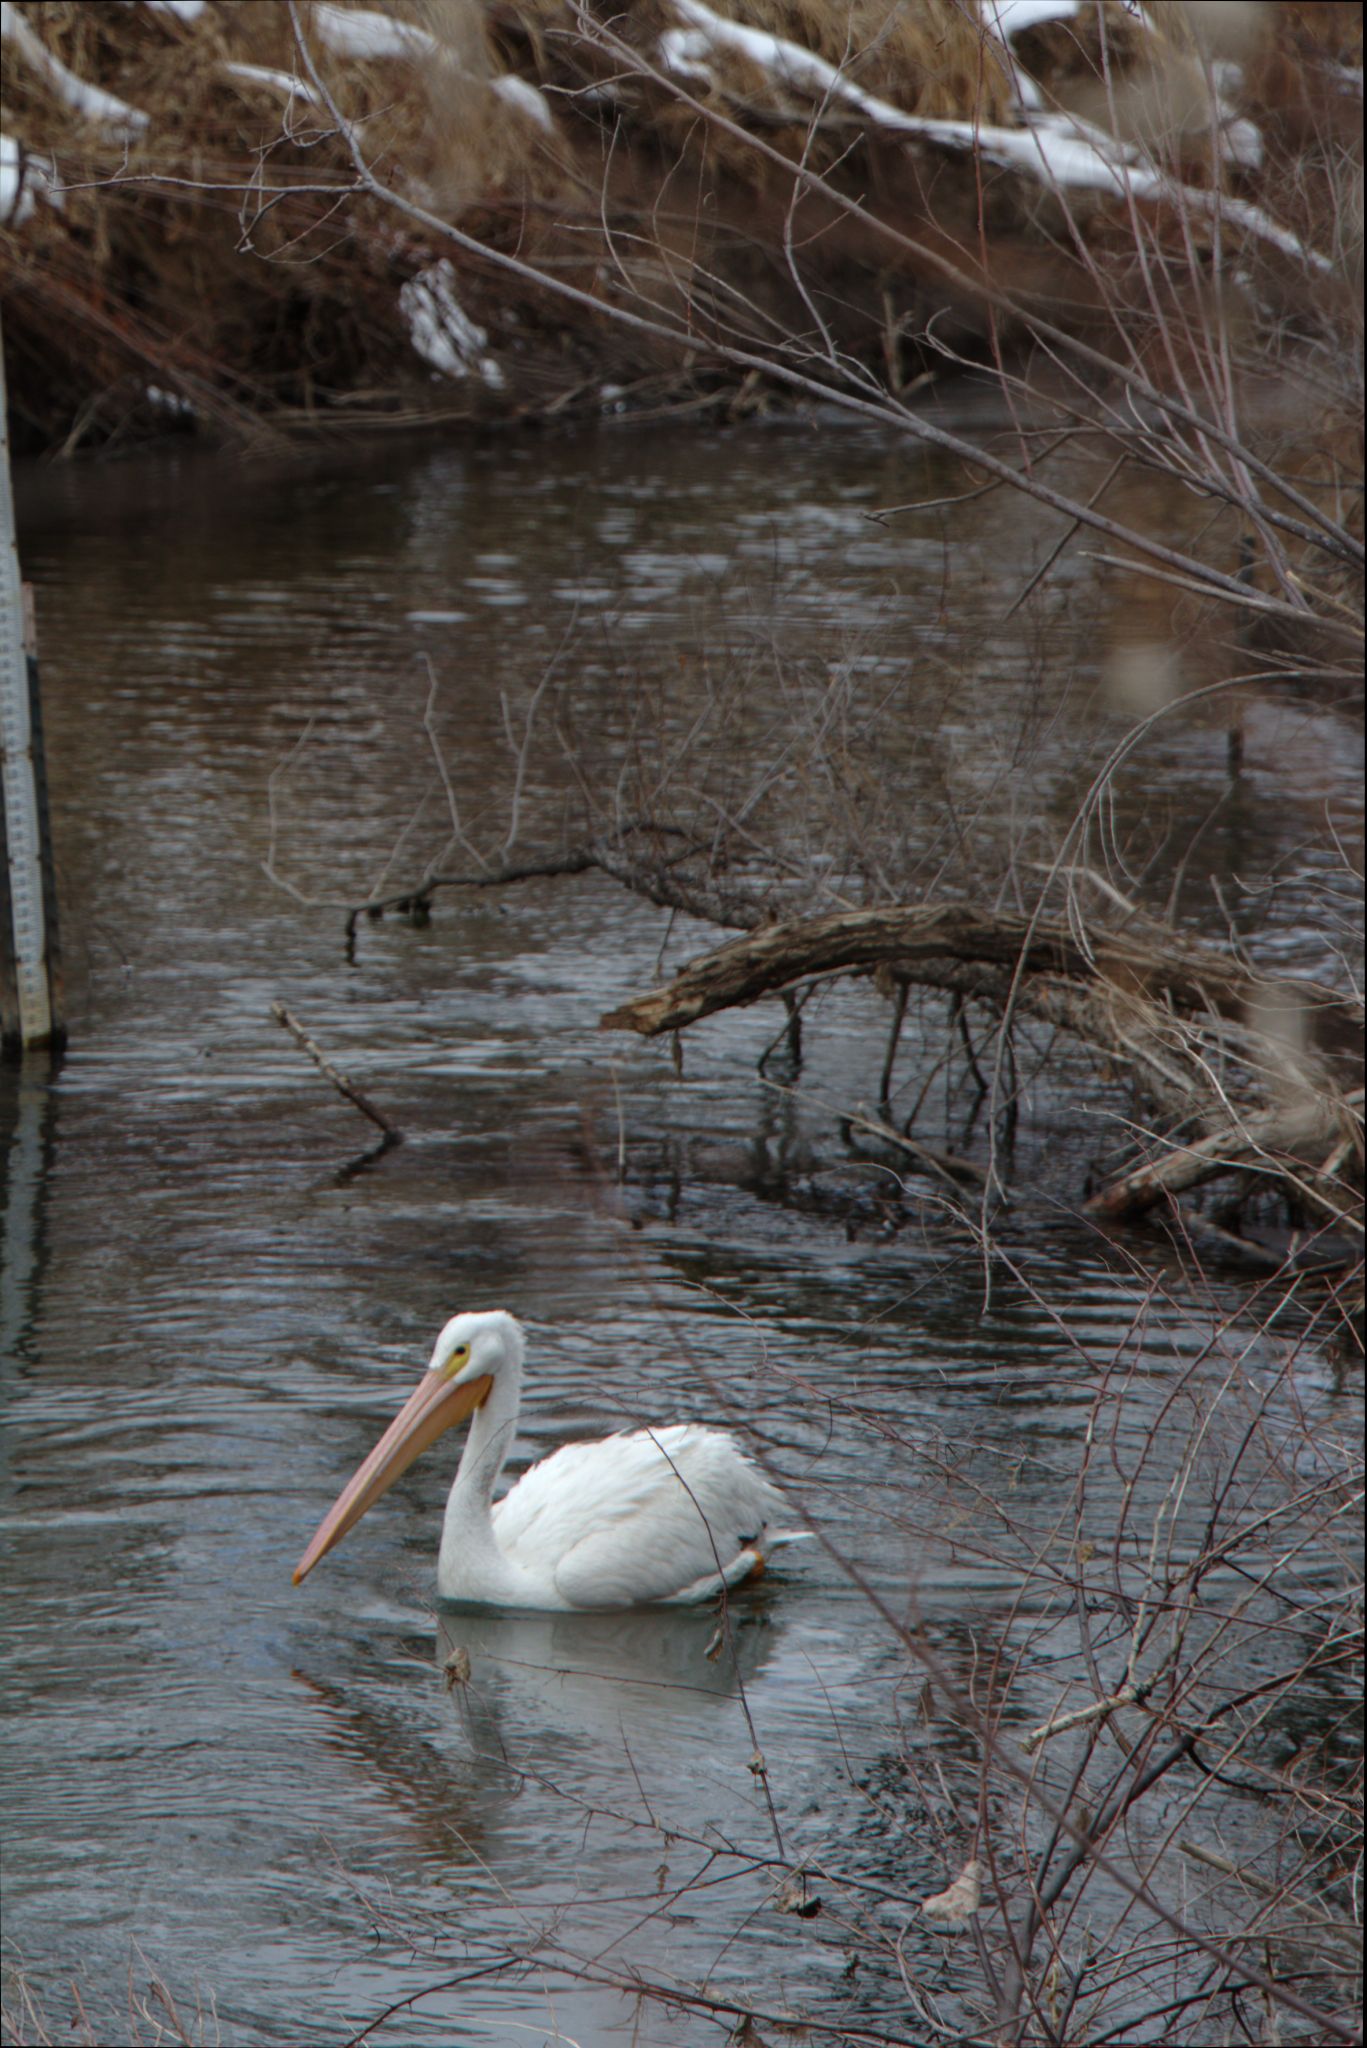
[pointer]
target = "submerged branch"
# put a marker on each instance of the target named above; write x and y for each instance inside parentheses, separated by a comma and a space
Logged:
(654, 874)
(1176, 1015)
(1279, 1141)
(346, 1089)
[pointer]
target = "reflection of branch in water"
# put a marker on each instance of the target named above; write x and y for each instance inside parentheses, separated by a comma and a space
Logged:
(364, 1161)
(433, 1790)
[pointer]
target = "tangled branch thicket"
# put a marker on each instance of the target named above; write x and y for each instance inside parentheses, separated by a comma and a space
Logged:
(1259, 590)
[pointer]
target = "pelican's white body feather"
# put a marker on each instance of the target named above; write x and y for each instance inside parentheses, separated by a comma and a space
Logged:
(651, 1515)
(669, 1514)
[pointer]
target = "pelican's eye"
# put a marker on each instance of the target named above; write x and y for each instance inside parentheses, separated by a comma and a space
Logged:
(456, 1360)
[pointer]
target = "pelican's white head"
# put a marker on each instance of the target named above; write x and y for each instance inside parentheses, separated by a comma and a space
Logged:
(473, 1355)
(484, 1342)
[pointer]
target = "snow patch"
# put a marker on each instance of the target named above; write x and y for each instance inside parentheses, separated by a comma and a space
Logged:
(1002, 19)
(90, 102)
(1010, 17)
(183, 10)
(24, 179)
(684, 53)
(788, 61)
(171, 402)
(1241, 140)
(518, 93)
(360, 32)
(443, 334)
(280, 81)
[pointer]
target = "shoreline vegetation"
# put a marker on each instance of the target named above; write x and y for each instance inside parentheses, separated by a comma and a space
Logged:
(699, 202)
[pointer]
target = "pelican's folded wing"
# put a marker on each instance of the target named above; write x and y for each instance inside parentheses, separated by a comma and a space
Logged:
(642, 1517)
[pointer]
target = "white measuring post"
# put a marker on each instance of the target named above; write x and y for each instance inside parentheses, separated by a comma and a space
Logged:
(23, 820)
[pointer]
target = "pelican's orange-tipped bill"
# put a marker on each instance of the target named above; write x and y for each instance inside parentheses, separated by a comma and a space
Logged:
(435, 1405)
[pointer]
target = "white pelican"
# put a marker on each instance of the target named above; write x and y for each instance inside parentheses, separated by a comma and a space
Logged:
(651, 1515)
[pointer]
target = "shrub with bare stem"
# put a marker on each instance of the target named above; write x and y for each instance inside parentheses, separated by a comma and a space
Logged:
(1138, 1770)
(151, 2015)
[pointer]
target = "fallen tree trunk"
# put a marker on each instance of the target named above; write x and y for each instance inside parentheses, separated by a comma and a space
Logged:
(941, 946)
(1206, 1039)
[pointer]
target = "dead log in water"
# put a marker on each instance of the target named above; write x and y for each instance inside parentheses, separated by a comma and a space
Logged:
(1307, 1143)
(1259, 1073)
(936, 944)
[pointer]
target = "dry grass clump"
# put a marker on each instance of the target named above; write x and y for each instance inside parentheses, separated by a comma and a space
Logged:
(705, 214)
(1296, 70)
(210, 262)
(214, 253)
(1145, 78)
(924, 56)
(1302, 83)
(151, 2015)
(1072, 57)
(480, 149)
(1173, 76)
(929, 59)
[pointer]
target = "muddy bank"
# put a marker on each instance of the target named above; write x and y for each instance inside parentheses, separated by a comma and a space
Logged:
(232, 220)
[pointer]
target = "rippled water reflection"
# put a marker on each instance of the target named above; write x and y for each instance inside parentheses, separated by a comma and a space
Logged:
(273, 1792)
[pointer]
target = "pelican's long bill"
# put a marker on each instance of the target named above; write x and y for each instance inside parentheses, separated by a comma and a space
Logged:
(436, 1404)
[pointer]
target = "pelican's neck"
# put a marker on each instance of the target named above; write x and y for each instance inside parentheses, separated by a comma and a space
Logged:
(469, 1548)
(492, 1427)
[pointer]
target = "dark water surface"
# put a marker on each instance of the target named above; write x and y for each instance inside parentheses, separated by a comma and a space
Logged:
(271, 1792)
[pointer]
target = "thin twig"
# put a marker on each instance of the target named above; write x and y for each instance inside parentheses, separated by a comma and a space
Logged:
(289, 1022)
